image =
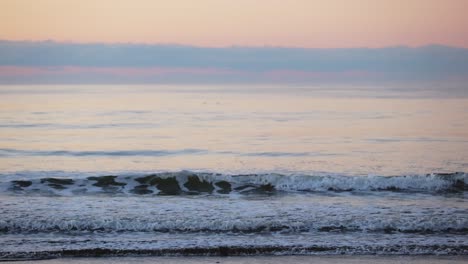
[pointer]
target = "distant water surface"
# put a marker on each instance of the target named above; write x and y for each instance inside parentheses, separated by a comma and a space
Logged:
(230, 129)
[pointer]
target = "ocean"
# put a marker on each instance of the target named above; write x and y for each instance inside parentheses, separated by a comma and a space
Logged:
(231, 170)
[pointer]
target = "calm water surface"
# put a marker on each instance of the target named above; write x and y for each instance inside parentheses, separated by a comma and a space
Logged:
(159, 128)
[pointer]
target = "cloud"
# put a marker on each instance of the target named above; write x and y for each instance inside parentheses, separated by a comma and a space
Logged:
(48, 61)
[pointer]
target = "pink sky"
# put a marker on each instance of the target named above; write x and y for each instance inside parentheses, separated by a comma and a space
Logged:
(151, 74)
(294, 23)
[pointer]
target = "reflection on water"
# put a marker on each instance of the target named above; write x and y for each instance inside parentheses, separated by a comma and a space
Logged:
(158, 128)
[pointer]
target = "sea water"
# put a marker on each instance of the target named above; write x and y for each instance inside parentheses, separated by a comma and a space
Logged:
(112, 170)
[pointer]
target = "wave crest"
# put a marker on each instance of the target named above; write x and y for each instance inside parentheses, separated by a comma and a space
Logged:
(190, 183)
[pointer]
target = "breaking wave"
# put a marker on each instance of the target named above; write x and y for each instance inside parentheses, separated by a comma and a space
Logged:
(191, 183)
(443, 225)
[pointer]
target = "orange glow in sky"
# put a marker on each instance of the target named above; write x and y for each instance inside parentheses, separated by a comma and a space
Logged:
(294, 23)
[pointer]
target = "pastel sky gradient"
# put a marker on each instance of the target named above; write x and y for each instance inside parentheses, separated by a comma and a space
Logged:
(233, 41)
(220, 23)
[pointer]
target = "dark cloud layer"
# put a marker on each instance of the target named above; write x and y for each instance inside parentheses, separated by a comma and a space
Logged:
(250, 63)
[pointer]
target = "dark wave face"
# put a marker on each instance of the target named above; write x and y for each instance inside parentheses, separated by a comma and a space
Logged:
(191, 183)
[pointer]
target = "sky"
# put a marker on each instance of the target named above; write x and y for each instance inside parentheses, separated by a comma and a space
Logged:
(146, 41)
(291, 23)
